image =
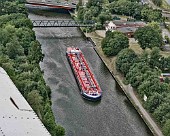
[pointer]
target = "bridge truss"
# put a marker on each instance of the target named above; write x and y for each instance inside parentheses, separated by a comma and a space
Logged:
(62, 23)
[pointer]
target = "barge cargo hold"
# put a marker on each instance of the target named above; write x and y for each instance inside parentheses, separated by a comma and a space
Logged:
(88, 85)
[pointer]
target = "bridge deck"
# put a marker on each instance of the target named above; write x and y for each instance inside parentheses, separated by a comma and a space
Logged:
(61, 23)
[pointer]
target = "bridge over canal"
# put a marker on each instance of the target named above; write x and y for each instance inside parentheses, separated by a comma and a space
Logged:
(62, 23)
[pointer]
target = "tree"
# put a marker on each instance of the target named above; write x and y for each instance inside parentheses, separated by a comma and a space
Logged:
(155, 56)
(152, 85)
(157, 2)
(35, 55)
(165, 64)
(148, 37)
(4, 37)
(149, 14)
(135, 76)
(49, 123)
(35, 100)
(115, 42)
(166, 128)
(155, 25)
(162, 113)
(17, 20)
(104, 16)
(97, 3)
(13, 49)
(80, 14)
(125, 59)
(95, 11)
(153, 102)
(59, 131)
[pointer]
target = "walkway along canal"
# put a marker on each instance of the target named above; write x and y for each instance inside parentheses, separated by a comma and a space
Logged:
(112, 116)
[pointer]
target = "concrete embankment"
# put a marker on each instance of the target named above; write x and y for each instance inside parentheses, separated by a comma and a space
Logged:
(128, 90)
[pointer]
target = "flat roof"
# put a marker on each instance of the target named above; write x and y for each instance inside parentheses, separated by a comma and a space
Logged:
(17, 118)
(120, 22)
(126, 29)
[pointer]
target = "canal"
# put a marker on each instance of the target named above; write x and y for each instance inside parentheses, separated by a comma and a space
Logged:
(112, 116)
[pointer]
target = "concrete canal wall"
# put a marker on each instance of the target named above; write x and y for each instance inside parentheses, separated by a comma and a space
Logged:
(129, 92)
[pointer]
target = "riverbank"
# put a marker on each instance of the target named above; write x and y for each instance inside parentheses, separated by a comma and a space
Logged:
(127, 89)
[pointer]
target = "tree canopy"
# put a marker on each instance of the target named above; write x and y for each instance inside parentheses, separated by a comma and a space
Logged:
(148, 37)
(114, 42)
(125, 59)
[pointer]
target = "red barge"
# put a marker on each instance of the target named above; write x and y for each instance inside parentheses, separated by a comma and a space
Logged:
(87, 83)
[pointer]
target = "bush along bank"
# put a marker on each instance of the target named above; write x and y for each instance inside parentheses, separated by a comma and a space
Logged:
(20, 54)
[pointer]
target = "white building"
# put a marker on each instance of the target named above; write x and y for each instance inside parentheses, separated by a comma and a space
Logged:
(110, 26)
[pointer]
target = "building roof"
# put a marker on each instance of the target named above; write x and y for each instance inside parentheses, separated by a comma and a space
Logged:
(120, 23)
(17, 118)
(128, 23)
(127, 29)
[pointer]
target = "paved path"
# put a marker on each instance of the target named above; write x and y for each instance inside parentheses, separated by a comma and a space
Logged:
(144, 114)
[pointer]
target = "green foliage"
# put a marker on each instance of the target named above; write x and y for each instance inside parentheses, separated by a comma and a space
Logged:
(16, 19)
(97, 3)
(35, 100)
(149, 14)
(136, 10)
(155, 56)
(155, 60)
(154, 101)
(125, 59)
(135, 76)
(35, 55)
(103, 17)
(144, 75)
(20, 55)
(151, 85)
(155, 26)
(80, 14)
(49, 121)
(13, 6)
(101, 11)
(166, 128)
(157, 2)
(113, 43)
(124, 7)
(59, 131)
(162, 113)
(148, 37)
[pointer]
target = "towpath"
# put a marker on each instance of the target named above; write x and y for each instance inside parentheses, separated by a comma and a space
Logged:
(143, 113)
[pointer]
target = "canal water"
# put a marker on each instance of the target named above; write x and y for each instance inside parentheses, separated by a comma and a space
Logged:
(112, 116)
